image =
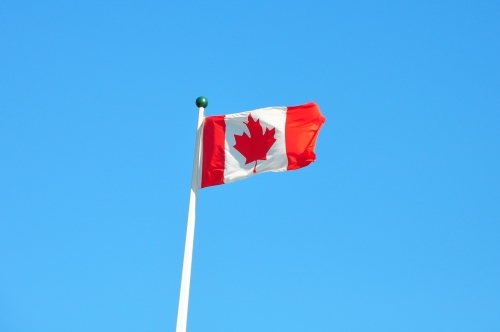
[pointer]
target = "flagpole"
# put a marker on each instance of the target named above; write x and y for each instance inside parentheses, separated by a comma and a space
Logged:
(202, 103)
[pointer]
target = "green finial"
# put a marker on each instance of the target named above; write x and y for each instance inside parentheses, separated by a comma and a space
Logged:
(201, 102)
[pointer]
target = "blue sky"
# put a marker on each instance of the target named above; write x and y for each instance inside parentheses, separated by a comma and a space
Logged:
(395, 227)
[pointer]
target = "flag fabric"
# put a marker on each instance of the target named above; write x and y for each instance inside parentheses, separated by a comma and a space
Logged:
(272, 139)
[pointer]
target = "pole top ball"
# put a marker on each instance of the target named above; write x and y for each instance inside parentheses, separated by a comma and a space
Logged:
(202, 102)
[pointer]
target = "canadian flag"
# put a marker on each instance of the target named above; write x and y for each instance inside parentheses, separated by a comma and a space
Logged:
(272, 139)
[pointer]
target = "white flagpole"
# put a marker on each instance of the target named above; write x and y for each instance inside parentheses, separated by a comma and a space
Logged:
(201, 102)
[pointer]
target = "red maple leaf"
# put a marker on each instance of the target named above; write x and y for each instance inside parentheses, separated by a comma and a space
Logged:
(256, 146)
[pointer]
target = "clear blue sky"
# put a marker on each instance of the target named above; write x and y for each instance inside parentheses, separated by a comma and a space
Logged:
(395, 227)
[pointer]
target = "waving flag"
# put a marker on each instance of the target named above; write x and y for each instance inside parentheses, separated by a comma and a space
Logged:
(272, 139)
